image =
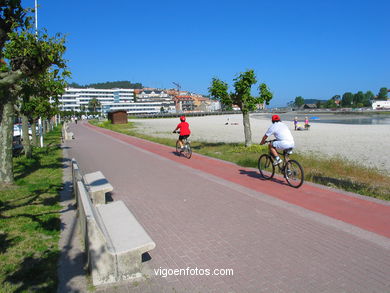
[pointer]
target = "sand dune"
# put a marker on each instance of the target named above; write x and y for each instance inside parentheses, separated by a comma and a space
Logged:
(366, 144)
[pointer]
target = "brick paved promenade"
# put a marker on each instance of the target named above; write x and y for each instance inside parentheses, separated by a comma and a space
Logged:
(208, 214)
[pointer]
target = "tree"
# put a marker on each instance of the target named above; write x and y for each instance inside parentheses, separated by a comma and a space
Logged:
(219, 91)
(242, 97)
(358, 99)
(299, 101)
(382, 95)
(93, 104)
(347, 100)
(368, 98)
(35, 93)
(330, 104)
(27, 54)
(336, 98)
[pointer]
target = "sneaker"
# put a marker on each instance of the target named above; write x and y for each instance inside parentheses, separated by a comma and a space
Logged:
(277, 162)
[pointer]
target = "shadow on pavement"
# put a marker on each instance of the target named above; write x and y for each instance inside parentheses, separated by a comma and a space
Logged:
(256, 175)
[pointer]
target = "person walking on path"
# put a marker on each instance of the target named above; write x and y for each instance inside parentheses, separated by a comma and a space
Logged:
(295, 123)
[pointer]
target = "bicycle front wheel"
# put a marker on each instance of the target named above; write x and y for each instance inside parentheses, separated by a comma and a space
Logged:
(293, 172)
(177, 147)
(266, 166)
(187, 151)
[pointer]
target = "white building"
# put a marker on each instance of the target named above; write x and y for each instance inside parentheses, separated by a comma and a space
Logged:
(77, 99)
(215, 106)
(151, 95)
(381, 105)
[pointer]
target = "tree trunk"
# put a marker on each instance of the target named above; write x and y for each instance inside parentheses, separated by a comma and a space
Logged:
(6, 138)
(34, 133)
(26, 138)
(44, 126)
(247, 128)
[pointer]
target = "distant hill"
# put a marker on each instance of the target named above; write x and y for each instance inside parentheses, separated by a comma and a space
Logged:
(314, 101)
(109, 85)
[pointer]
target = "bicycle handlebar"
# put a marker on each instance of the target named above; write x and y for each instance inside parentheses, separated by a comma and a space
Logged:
(269, 141)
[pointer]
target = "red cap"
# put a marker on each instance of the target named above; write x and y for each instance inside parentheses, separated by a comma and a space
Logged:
(275, 118)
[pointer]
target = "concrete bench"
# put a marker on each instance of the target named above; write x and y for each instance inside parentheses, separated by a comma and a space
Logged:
(97, 186)
(114, 240)
(76, 175)
(66, 134)
(69, 135)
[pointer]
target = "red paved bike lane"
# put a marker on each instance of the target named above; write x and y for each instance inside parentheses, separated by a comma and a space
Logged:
(370, 215)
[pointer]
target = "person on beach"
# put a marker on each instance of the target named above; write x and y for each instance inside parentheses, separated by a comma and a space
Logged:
(307, 123)
(184, 130)
(284, 139)
(295, 123)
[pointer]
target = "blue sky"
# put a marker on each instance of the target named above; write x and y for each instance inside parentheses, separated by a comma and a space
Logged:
(313, 49)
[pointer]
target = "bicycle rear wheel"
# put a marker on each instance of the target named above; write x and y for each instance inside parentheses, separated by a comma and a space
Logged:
(266, 166)
(293, 172)
(187, 151)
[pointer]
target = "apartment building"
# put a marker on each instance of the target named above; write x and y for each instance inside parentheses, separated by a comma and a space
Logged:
(77, 99)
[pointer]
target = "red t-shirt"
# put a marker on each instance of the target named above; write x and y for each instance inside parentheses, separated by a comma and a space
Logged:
(184, 128)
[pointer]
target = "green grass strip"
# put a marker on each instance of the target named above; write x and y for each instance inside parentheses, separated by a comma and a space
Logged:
(30, 221)
(333, 172)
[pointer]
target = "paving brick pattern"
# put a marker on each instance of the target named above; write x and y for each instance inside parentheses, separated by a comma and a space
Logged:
(199, 220)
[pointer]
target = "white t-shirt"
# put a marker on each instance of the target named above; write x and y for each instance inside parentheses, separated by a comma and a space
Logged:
(281, 132)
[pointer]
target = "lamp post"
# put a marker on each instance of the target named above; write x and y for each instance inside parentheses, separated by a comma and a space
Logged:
(36, 16)
(36, 33)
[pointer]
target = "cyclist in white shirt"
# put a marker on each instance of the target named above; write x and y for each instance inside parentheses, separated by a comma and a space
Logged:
(284, 139)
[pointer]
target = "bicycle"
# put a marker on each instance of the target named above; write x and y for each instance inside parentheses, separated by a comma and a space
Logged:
(291, 169)
(186, 151)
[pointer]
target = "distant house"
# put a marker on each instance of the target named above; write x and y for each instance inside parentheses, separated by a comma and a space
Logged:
(309, 106)
(381, 105)
(152, 95)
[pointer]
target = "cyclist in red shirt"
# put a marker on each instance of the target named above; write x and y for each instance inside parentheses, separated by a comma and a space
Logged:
(184, 130)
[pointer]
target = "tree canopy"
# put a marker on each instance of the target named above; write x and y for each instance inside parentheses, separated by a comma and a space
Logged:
(382, 95)
(93, 104)
(24, 55)
(347, 100)
(299, 101)
(242, 97)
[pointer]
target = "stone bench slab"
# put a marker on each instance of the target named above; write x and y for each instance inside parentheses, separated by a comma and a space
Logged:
(113, 238)
(115, 217)
(98, 186)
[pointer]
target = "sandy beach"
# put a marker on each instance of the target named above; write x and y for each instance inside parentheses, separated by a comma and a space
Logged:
(365, 144)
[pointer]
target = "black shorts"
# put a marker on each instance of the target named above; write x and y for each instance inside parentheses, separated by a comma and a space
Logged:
(181, 137)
